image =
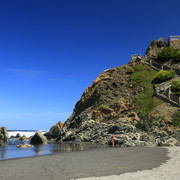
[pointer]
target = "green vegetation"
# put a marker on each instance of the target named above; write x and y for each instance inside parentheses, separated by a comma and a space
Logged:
(104, 106)
(176, 118)
(176, 87)
(177, 56)
(168, 53)
(163, 75)
(146, 101)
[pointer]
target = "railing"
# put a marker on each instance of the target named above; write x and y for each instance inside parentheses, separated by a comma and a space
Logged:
(174, 37)
(134, 56)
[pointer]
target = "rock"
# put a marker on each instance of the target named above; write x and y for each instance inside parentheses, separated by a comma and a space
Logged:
(12, 137)
(170, 142)
(154, 47)
(113, 129)
(3, 133)
(38, 138)
(17, 135)
(54, 131)
(23, 138)
(24, 146)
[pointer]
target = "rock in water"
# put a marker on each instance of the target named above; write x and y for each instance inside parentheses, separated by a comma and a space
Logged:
(24, 146)
(3, 133)
(38, 138)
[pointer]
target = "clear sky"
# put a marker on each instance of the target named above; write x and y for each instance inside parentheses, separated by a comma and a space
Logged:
(51, 50)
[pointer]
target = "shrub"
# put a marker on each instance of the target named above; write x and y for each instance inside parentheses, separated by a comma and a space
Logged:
(163, 75)
(176, 87)
(177, 57)
(166, 54)
(176, 118)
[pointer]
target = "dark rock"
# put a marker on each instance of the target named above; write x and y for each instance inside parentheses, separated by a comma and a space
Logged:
(12, 137)
(3, 133)
(38, 138)
(54, 131)
(113, 129)
(17, 135)
(23, 138)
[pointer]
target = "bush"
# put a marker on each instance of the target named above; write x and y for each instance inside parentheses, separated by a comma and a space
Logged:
(163, 75)
(176, 118)
(177, 57)
(166, 54)
(176, 87)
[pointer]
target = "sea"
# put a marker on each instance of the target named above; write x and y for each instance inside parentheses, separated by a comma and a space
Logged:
(9, 150)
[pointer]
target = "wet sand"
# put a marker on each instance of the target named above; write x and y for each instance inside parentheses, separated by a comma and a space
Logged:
(80, 164)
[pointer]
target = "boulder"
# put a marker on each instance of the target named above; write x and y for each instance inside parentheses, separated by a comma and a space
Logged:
(24, 146)
(170, 142)
(17, 135)
(23, 138)
(3, 134)
(38, 138)
(54, 131)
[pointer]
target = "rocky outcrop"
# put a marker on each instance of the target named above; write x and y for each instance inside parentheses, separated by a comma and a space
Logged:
(3, 135)
(38, 138)
(54, 131)
(108, 107)
(155, 47)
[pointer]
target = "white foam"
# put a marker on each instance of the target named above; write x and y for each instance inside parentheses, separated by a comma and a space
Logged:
(25, 133)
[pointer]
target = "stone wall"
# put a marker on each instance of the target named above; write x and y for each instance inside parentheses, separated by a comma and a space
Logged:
(163, 91)
(174, 41)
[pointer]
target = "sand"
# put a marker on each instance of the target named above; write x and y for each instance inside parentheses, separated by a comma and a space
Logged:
(167, 171)
(100, 163)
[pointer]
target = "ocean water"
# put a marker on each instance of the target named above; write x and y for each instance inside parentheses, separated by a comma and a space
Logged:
(9, 150)
(27, 133)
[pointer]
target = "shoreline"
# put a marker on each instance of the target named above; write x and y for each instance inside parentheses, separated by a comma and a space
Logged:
(83, 164)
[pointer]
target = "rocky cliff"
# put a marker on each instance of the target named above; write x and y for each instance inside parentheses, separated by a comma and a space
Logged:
(109, 106)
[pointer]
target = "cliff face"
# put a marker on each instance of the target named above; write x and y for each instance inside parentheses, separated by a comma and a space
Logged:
(108, 106)
(110, 96)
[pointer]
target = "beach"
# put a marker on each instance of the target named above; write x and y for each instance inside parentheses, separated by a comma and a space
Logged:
(93, 164)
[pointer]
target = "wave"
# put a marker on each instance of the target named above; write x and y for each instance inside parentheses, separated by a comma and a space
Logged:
(27, 133)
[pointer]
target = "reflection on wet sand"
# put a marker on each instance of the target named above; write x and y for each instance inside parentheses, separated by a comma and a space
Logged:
(39, 149)
(68, 147)
(10, 151)
(3, 152)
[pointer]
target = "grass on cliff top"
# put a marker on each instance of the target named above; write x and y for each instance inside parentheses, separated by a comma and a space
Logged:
(146, 101)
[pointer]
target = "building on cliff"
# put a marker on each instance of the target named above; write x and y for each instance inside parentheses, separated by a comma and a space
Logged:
(174, 41)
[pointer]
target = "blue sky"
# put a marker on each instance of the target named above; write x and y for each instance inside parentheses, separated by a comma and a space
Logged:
(51, 50)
